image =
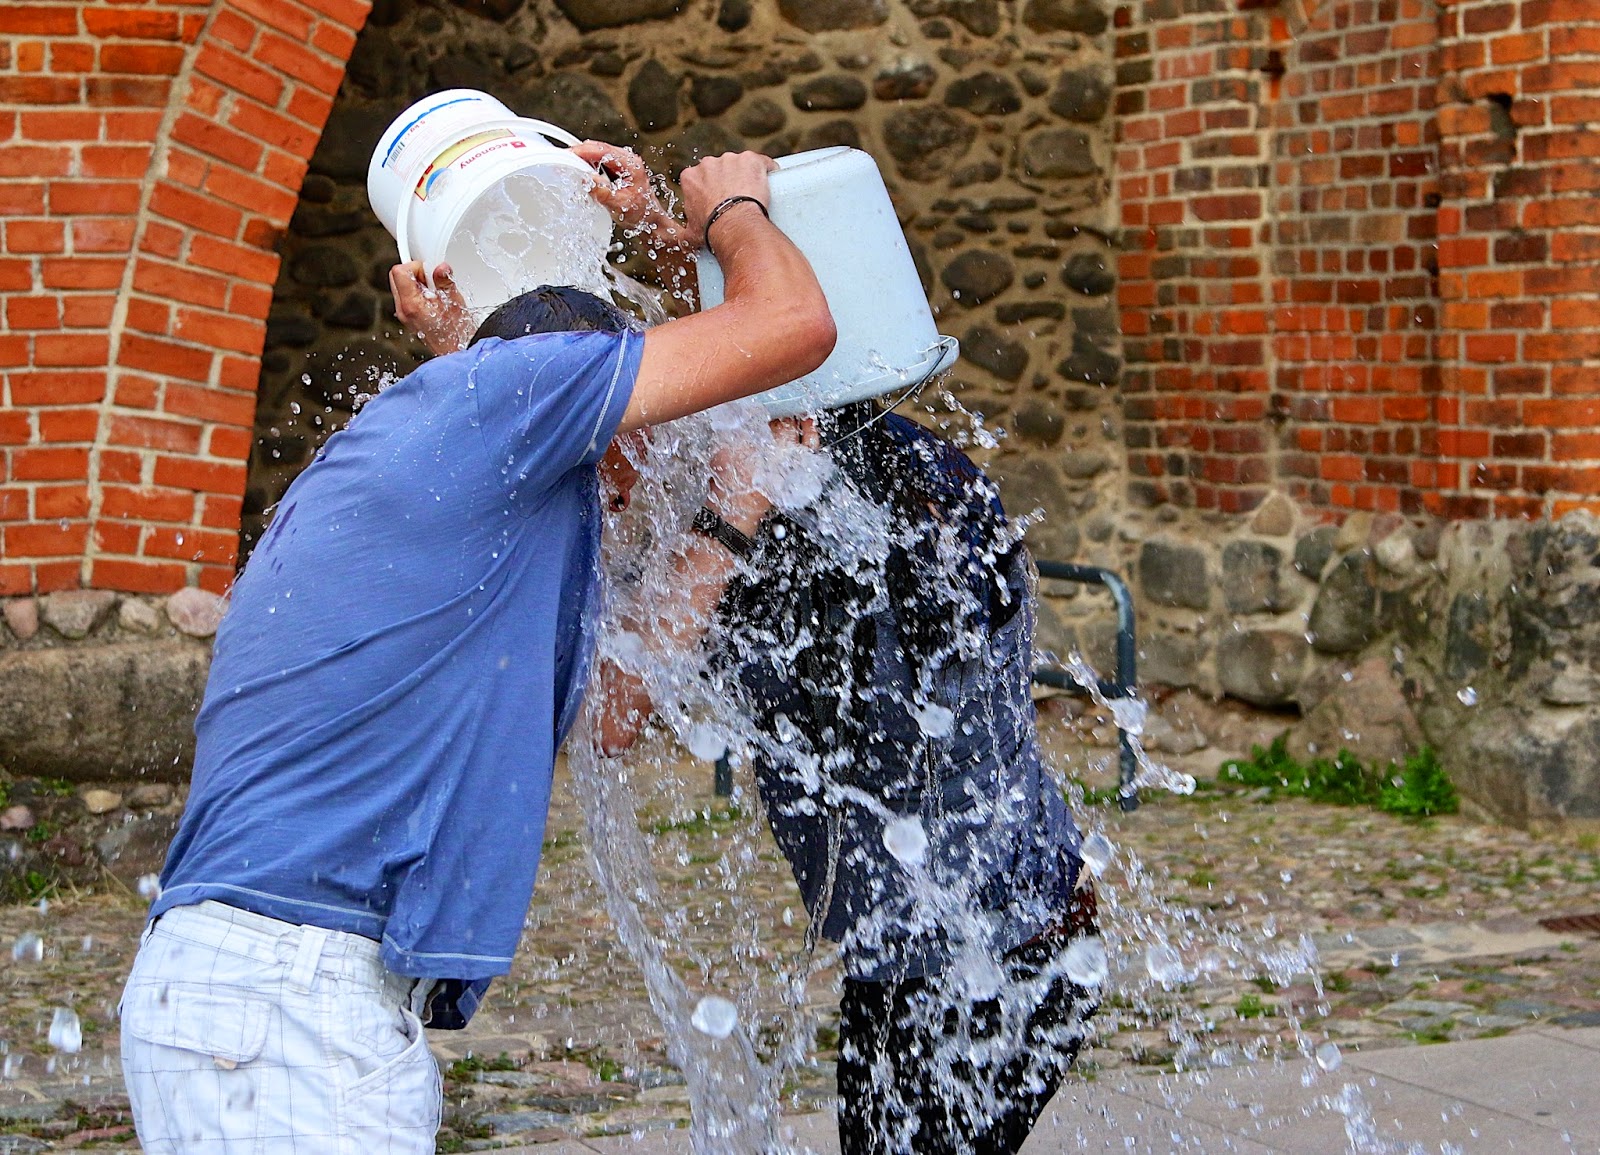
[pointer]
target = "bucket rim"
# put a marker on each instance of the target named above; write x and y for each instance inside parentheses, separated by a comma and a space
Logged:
(784, 400)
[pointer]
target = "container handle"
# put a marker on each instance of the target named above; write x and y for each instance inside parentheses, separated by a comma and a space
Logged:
(949, 349)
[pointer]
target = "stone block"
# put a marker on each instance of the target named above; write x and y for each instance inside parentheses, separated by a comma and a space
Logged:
(1261, 667)
(1366, 714)
(978, 275)
(1168, 659)
(926, 142)
(1345, 615)
(1250, 572)
(1058, 154)
(1083, 16)
(75, 613)
(827, 15)
(590, 15)
(1314, 551)
(1275, 517)
(22, 617)
(101, 713)
(1174, 575)
(653, 97)
(196, 612)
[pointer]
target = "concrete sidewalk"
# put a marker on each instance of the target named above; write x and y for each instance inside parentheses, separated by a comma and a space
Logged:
(1535, 1093)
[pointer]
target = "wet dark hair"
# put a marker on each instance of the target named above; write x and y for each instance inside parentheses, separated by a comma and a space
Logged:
(553, 309)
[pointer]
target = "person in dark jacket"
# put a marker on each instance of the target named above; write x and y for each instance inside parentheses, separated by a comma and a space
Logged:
(901, 774)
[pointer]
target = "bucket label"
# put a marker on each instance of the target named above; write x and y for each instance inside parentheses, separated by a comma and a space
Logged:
(417, 130)
(441, 163)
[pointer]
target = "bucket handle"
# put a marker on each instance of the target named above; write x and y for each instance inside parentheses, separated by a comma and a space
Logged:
(402, 216)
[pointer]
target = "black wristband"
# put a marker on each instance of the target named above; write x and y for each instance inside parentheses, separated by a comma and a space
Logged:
(724, 206)
(711, 523)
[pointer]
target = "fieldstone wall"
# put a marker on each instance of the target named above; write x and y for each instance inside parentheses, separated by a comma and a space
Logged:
(104, 686)
(1378, 635)
(989, 120)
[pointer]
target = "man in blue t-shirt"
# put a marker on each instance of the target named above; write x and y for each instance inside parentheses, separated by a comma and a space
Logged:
(403, 657)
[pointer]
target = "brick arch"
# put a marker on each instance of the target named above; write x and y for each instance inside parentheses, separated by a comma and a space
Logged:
(137, 275)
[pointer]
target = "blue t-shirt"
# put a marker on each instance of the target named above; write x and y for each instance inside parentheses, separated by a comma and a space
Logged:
(403, 656)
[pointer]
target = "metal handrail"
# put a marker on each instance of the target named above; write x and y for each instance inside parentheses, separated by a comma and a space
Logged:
(1121, 684)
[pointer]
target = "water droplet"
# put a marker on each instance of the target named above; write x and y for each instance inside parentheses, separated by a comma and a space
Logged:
(714, 1016)
(29, 947)
(1164, 964)
(935, 720)
(1129, 714)
(705, 743)
(1467, 696)
(149, 887)
(66, 1033)
(12, 1067)
(1286, 876)
(1084, 960)
(1328, 1057)
(1096, 853)
(906, 840)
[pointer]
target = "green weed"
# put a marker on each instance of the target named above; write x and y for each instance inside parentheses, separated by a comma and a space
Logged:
(1415, 788)
(1250, 1006)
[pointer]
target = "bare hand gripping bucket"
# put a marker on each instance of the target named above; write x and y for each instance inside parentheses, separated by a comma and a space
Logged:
(832, 203)
(459, 178)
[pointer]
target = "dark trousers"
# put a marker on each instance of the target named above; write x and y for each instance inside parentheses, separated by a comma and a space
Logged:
(924, 1071)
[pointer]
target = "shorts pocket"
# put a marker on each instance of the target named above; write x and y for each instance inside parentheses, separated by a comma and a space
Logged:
(395, 1107)
(231, 1029)
(189, 1062)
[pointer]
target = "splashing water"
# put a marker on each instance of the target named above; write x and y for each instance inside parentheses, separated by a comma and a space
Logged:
(906, 840)
(29, 947)
(66, 1033)
(1096, 853)
(736, 1048)
(1085, 961)
(714, 1016)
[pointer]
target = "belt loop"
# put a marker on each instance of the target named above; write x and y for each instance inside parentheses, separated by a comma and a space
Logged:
(421, 992)
(306, 956)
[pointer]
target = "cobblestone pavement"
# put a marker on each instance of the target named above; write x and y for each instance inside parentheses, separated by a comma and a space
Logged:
(1426, 932)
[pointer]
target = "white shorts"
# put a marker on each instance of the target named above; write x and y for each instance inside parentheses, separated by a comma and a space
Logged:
(242, 1033)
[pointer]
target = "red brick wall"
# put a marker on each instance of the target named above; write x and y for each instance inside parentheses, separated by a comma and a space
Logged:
(1355, 192)
(1361, 245)
(150, 153)
(1519, 257)
(1284, 174)
(1193, 128)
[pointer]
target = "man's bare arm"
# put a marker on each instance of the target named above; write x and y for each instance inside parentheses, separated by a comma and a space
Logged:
(772, 326)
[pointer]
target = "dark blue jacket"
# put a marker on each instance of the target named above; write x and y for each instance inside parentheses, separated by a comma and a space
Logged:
(905, 693)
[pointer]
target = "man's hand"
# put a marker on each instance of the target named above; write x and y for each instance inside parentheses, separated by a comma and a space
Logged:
(716, 178)
(437, 315)
(629, 194)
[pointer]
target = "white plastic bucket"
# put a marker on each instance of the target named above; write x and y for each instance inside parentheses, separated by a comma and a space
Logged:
(833, 204)
(459, 178)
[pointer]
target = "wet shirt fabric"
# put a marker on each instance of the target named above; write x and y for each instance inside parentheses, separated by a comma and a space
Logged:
(862, 732)
(404, 654)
